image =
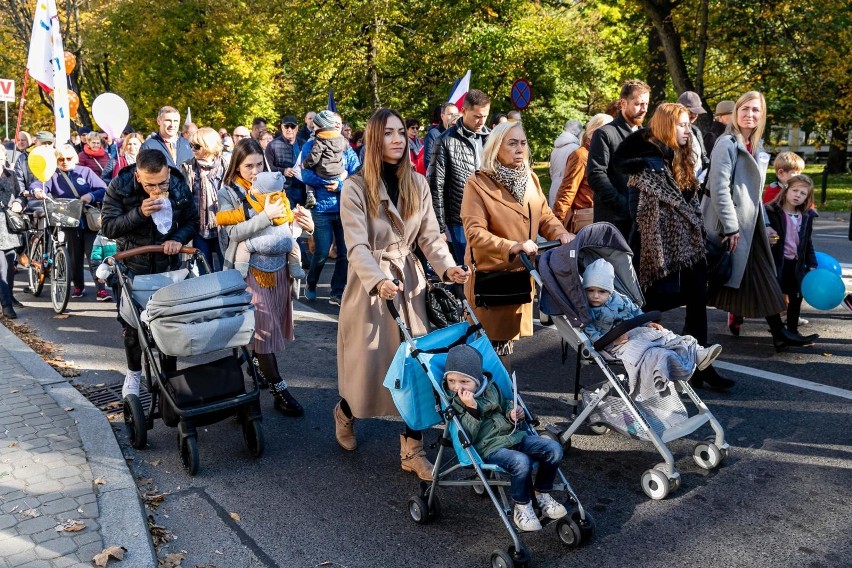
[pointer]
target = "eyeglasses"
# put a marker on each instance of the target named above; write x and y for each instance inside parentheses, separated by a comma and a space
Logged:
(290, 126)
(195, 147)
(239, 136)
(161, 187)
(65, 158)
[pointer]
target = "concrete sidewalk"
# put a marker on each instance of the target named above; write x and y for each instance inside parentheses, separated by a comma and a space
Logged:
(53, 445)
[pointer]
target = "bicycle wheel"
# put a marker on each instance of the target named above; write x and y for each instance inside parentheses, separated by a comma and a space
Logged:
(60, 284)
(35, 270)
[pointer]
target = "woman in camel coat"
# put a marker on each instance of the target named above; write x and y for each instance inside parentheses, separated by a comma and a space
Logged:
(503, 210)
(386, 209)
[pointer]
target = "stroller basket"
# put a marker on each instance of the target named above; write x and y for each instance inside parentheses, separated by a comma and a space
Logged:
(63, 212)
(200, 315)
(662, 411)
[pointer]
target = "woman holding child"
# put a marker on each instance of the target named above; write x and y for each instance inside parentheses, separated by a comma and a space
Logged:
(270, 290)
(386, 209)
(668, 234)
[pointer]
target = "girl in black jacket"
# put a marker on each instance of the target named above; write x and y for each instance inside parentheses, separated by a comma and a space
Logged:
(791, 215)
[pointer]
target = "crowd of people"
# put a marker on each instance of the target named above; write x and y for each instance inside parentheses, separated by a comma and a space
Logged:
(461, 204)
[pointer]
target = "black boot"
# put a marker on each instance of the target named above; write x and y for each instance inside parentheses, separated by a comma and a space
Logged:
(9, 312)
(712, 379)
(784, 338)
(263, 368)
(285, 403)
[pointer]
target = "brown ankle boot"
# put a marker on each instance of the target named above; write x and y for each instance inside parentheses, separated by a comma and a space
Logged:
(413, 458)
(344, 430)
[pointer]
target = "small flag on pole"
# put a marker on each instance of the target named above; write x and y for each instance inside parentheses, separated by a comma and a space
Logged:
(459, 90)
(46, 64)
(332, 106)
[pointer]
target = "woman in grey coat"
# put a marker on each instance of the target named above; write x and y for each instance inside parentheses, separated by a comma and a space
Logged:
(8, 242)
(733, 214)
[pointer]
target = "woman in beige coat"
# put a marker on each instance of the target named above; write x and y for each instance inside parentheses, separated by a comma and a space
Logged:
(385, 211)
(503, 210)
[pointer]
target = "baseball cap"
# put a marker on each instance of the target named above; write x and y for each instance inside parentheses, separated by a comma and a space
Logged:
(44, 136)
(692, 102)
(289, 120)
(724, 107)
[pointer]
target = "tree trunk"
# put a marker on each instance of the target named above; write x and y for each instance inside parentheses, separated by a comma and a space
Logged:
(657, 74)
(837, 155)
(660, 13)
(372, 53)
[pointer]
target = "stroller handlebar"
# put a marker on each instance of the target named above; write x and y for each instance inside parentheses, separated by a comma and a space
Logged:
(148, 249)
(527, 261)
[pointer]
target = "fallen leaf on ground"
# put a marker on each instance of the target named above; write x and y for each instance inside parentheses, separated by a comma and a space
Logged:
(102, 558)
(172, 560)
(100, 481)
(826, 354)
(68, 408)
(129, 458)
(152, 498)
(28, 514)
(62, 316)
(146, 481)
(159, 534)
(13, 445)
(155, 463)
(235, 516)
(71, 525)
(14, 391)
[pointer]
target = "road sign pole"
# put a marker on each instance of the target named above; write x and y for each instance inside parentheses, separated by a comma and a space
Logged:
(6, 104)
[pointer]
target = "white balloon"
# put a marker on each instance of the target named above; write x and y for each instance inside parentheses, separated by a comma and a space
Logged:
(111, 114)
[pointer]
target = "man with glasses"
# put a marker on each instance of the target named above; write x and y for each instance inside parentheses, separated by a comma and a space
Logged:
(281, 156)
(73, 181)
(131, 200)
(168, 140)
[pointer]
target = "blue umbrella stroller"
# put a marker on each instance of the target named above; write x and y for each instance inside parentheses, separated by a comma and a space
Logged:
(414, 379)
(658, 419)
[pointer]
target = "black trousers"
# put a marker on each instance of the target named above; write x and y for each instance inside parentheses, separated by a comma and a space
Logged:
(80, 243)
(791, 286)
(686, 288)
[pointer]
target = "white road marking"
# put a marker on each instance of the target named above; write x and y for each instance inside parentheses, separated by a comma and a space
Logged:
(787, 380)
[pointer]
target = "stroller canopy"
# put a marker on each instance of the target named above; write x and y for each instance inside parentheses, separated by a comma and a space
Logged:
(562, 268)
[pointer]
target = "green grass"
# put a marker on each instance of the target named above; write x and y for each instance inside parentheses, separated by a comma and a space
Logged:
(838, 194)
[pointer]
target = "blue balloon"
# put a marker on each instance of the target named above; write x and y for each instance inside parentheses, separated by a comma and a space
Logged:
(828, 262)
(823, 289)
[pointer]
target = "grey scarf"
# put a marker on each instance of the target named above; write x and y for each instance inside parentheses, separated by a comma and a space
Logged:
(514, 180)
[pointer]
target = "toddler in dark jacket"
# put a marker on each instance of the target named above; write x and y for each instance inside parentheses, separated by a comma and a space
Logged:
(326, 156)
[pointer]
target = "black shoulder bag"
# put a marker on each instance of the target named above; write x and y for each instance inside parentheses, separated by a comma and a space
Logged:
(502, 287)
(16, 223)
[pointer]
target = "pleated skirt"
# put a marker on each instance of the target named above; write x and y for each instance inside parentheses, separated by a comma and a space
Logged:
(273, 313)
(759, 294)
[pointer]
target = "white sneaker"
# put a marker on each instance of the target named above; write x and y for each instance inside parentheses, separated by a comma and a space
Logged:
(706, 355)
(525, 518)
(131, 383)
(550, 507)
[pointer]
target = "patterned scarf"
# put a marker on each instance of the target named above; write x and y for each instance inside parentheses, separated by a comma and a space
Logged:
(514, 180)
(208, 201)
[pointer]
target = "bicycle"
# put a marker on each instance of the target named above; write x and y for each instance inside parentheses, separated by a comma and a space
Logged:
(48, 252)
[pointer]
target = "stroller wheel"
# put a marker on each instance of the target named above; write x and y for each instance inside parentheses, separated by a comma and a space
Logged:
(599, 429)
(134, 419)
(569, 532)
(655, 484)
(587, 526)
(189, 453)
(253, 434)
(418, 510)
(502, 559)
(707, 456)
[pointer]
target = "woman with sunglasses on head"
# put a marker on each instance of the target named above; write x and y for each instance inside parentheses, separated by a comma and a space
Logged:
(204, 174)
(74, 181)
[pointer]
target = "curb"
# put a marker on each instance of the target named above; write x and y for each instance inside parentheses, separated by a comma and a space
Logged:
(121, 522)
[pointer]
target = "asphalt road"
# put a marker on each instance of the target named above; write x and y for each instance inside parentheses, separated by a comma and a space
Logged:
(782, 499)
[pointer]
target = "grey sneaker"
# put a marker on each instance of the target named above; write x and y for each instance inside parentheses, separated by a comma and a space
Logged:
(525, 518)
(550, 507)
(706, 356)
(131, 383)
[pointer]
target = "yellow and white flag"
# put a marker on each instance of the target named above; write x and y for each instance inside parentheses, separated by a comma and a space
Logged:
(46, 64)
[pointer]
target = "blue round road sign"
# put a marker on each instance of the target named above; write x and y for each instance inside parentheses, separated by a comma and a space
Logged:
(521, 94)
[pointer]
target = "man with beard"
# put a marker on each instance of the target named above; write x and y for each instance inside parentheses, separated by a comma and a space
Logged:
(167, 140)
(609, 185)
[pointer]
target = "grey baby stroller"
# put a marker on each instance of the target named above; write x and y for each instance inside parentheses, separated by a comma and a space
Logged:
(415, 380)
(658, 419)
(184, 313)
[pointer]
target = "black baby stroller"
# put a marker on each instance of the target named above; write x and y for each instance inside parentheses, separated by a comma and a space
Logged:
(183, 313)
(658, 419)
(415, 380)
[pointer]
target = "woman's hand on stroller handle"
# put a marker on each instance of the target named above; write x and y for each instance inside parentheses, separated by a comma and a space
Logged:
(458, 274)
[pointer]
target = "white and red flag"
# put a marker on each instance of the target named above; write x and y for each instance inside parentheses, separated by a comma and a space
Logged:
(46, 64)
(459, 90)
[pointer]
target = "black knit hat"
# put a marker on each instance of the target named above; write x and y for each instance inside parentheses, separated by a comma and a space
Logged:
(467, 361)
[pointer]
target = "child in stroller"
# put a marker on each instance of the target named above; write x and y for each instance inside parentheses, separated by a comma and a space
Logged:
(651, 348)
(493, 426)
(273, 240)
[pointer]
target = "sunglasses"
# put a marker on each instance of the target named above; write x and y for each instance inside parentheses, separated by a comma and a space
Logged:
(65, 159)
(290, 126)
(195, 147)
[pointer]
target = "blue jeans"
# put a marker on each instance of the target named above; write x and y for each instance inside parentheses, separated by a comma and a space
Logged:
(327, 226)
(211, 250)
(459, 242)
(518, 461)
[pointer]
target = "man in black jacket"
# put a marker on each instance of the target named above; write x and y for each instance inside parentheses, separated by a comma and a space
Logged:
(608, 184)
(131, 200)
(445, 113)
(457, 153)
(721, 119)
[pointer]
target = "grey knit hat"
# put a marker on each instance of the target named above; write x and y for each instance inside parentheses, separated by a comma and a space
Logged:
(467, 361)
(599, 274)
(324, 119)
(269, 182)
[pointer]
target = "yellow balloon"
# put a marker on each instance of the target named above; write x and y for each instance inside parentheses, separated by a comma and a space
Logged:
(42, 162)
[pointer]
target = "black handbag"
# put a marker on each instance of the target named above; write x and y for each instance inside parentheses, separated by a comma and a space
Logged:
(16, 223)
(502, 288)
(442, 308)
(720, 264)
